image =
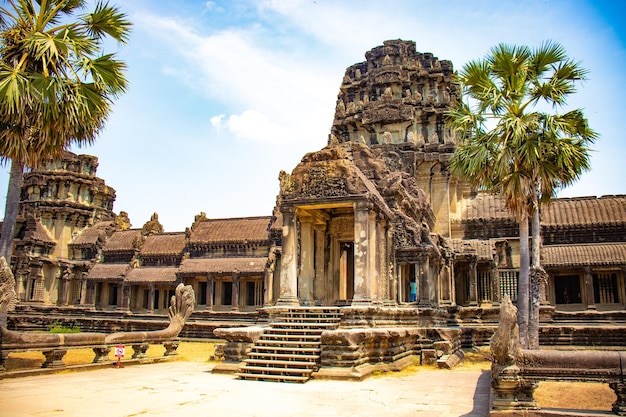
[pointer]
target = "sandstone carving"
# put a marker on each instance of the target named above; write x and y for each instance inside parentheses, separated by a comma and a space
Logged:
(8, 297)
(182, 304)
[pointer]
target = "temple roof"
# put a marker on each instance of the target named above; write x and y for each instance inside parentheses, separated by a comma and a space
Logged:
(41, 234)
(164, 244)
(577, 211)
(223, 265)
(90, 235)
(122, 241)
(483, 249)
(585, 211)
(583, 255)
(155, 275)
(107, 271)
(235, 230)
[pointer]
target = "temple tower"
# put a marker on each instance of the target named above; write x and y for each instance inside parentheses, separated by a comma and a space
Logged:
(396, 100)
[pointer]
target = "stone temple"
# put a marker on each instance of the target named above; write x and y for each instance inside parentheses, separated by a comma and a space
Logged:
(372, 229)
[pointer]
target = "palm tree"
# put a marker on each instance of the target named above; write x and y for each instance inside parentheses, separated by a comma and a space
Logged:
(510, 146)
(57, 86)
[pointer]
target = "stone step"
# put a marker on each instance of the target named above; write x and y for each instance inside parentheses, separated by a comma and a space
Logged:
(302, 325)
(280, 356)
(289, 350)
(276, 370)
(286, 336)
(295, 363)
(274, 378)
(311, 332)
(293, 350)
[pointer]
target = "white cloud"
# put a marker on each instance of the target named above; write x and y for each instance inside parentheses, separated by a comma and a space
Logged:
(216, 121)
(257, 126)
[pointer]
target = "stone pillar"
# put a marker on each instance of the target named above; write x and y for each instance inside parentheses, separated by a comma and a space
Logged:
(90, 294)
(495, 282)
(289, 268)
(151, 294)
(307, 260)
(319, 282)
(209, 293)
(473, 282)
(38, 290)
(390, 265)
(373, 254)
(361, 254)
(65, 287)
(235, 293)
(124, 303)
(422, 270)
(591, 300)
(444, 285)
(83, 289)
(21, 287)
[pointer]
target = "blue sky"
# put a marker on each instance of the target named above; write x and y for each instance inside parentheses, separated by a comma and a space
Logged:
(225, 94)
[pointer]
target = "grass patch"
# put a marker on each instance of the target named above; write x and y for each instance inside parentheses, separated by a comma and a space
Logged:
(58, 327)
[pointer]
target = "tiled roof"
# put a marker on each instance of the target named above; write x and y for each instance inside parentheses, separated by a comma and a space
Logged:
(121, 240)
(236, 230)
(153, 275)
(580, 255)
(482, 248)
(107, 271)
(41, 234)
(585, 211)
(90, 235)
(164, 244)
(222, 265)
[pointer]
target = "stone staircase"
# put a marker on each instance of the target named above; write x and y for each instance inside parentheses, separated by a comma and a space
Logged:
(289, 350)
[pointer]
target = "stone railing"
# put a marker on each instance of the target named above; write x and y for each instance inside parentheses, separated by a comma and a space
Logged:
(55, 346)
(515, 372)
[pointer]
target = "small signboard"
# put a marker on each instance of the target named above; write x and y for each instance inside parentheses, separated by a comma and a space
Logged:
(119, 351)
(119, 354)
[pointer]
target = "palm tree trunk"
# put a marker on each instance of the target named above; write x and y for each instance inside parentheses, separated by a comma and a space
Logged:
(535, 280)
(523, 284)
(10, 211)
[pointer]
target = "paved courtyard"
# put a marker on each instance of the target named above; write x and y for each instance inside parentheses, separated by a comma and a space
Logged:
(186, 388)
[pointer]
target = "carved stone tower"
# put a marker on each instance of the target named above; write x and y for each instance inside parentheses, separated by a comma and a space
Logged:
(397, 100)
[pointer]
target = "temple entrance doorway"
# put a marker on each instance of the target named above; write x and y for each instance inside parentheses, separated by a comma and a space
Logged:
(346, 272)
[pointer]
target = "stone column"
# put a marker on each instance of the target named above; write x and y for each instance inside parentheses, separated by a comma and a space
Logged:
(90, 294)
(209, 293)
(125, 297)
(319, 282)
(235, 293)
(289, 267)
(65, 287)
(83, 289)
(444, 285)
(473, 282)
(495, 282)
(307, 260)
(361, 254)
(38, 290)
(372, 265)
(591, 299)
(422, 270)
(20, 288)
(151, 298)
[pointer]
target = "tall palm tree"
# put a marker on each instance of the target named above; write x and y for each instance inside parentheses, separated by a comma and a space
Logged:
(57, 86)
(511, 146)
